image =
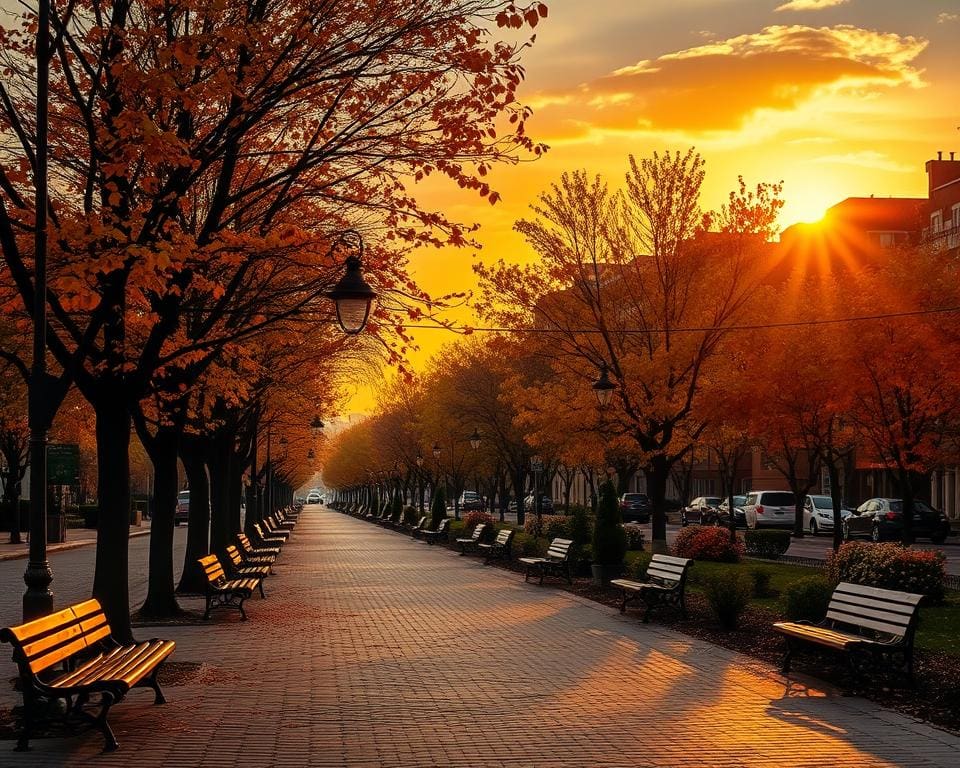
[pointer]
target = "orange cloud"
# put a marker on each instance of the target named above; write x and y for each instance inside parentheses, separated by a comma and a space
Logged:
(809, 5)
(719, 85)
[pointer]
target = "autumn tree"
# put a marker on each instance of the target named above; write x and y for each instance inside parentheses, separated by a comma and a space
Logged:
(194, 144)
(632, 280)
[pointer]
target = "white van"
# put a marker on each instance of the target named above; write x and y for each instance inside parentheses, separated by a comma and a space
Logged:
(770, 509)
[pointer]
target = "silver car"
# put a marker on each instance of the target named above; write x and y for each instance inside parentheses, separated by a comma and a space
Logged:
(818, 513)
(770, 509)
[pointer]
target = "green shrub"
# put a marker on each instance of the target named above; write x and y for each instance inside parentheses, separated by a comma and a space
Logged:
(473, 519)
(635, 537)
(708, 543)
(396, 510)
(529, 546)
(889, 566)
(580, 528)
(728, 594)
(806, 599)
(410, 516)
(609, 540)
(438, 508)
(548, 526)
(638, 566)
(766, 543)
(761, 581)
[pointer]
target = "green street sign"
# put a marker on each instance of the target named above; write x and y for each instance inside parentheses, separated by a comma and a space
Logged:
(63, 464)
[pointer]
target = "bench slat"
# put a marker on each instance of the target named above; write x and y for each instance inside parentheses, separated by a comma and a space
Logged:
(893, 596)
(859, 621)
(898, 619)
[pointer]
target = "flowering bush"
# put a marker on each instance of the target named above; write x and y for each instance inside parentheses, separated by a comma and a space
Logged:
(767, 543)
(635, 537)
(472, 519)
(551, 526)
(889, 566)
(708, 543)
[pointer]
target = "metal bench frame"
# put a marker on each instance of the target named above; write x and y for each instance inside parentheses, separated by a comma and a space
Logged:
(868, 625)
(555, 563)
(501, 547)
(442, 532)
(80, 642)
(222, 592)
(471, 542)
(666, 581)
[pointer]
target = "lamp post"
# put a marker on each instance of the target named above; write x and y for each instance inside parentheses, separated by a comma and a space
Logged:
(316, 426)
(420, 482)
(603, 387)
(352, 295)
(38, 599)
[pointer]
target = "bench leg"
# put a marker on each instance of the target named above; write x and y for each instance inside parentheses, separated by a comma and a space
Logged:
(154, 683)
(243, 613)
(262, 595)
(23, 741)
(567, 569)
(785, 664)
(623, 601)
(526, 576)
(109, 740)
(206, 613)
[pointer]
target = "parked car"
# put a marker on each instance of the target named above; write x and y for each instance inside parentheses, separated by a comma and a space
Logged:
(883, 519)
(701, 511)
(546, 504)
(770, 509)
(314, 497)
(470, 500)
(739, 516)
(182, 513)
(818, 513)
(635, 507)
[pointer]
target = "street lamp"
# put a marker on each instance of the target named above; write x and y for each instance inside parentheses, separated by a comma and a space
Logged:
(311, 455)
(352, 295)
(437, 448)
(38, 599)
(316, 426)
(475, 439)
(603, 387)
(419, 460)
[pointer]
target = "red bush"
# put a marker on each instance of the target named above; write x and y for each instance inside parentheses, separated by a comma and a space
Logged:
(889, 566)
(472, 519)
(708, 543)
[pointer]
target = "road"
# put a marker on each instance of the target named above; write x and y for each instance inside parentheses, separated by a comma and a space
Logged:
(73, 575)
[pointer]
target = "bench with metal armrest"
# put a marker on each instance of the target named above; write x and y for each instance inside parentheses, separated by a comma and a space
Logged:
(500, 548)
(556, 562)
(79, 641)
(665, 585)
(223, 592)
(471, 542)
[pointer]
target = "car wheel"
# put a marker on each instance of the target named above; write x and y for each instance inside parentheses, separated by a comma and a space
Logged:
(846, 532)
(814, 530)
(875, 533)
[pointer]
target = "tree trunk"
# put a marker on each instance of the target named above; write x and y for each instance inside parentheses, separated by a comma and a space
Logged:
(218, 467)
(12, 488)
(835, 495)
(519, 480)
(192, 579)
(110, 579)
(906, 494)
(657, 473)
(161, 602)
(235, 495)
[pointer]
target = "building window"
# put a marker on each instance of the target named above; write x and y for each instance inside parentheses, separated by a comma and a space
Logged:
(887, 239)
(936, 222)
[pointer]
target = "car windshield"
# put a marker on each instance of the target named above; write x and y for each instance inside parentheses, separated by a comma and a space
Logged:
(923, 508)
(822, 502)
(711, 500)
(896, 505)
(183, 496)
(777, 499)
(469, 494)
(634, 497)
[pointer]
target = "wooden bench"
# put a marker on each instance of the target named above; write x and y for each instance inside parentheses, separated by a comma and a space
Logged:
(223, 592)
(666, 583)
(241, 570)
(254, 554)
(556, 561)
(419, 528)
(470, 542)
(78, 640)
(441, 534)
(267, 539)
(279, 523)
(443, 530)
(864, 623)
(500, 547)
(269, 529)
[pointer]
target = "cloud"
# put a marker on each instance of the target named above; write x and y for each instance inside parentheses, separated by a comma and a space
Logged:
(718, 86)
(866, 159)
(946, 18)
(809, 5)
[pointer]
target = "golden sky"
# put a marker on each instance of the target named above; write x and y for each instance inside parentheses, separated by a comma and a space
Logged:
(836, 98)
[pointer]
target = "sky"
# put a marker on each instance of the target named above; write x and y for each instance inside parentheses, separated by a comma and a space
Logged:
(836, 98)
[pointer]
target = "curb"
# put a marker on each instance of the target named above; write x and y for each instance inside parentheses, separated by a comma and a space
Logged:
(51, 548)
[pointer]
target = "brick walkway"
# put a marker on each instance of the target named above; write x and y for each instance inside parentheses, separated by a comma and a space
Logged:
(375, 650)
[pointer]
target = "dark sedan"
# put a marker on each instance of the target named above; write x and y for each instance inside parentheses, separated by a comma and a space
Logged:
(882, 519)
(635, 507)
(701, 511)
